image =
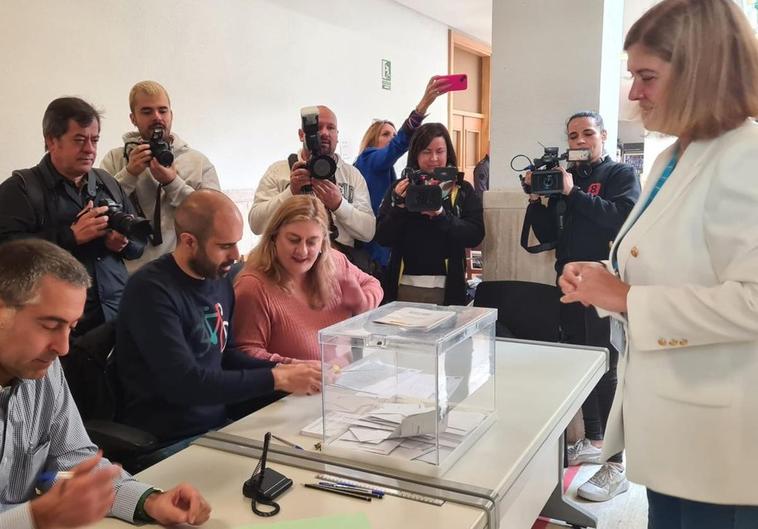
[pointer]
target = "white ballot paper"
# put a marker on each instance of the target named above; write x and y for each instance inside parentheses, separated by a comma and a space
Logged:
(403, 430)
(416, 318)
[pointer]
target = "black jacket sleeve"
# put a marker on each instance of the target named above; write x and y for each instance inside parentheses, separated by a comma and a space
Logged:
(466, 230)
(390, 221)
(622, 192)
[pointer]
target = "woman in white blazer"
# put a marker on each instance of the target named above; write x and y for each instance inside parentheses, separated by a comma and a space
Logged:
(682, 278)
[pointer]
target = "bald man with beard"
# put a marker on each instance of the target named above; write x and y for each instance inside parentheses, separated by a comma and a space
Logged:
(174, 362)
(348, 199)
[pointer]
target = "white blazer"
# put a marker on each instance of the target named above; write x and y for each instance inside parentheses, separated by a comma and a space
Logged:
(686, 405)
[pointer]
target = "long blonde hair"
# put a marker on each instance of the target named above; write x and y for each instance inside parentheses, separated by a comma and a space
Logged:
(371, 137)
(320, 279)
(713, 54)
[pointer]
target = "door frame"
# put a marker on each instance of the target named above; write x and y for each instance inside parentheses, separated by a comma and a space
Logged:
(464, 42)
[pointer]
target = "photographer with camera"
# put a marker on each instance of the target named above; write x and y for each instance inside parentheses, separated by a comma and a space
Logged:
(156, 168)
(317, 169)
(382, 145)
(81, 209)
(428, 218)
(586, 207)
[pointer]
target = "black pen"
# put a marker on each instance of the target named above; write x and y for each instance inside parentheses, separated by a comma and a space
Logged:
(356, 495)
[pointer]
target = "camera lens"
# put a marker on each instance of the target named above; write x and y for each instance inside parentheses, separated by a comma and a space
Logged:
(164, 157)
(321, 168)
(548, 181)
(130, 225)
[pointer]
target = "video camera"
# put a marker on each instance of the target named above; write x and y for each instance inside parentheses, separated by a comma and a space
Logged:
(547, 179)
(321, 166)
(421, 195)
(131, 226)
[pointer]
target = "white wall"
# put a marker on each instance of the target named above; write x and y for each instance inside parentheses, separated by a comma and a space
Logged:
(611, 60)
(237, 71)
(549, 60)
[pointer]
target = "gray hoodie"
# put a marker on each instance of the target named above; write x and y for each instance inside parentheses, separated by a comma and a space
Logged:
(194, 171)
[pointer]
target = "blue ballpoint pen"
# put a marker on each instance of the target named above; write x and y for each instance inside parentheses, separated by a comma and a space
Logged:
(52, 475)
(377, 493)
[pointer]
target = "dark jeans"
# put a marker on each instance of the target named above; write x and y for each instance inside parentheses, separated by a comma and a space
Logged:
(670, 512)
(581, 326)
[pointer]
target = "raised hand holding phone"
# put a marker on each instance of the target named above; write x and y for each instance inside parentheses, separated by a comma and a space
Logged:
(454, 82)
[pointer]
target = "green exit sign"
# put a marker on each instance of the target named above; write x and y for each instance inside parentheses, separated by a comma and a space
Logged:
(386, 74)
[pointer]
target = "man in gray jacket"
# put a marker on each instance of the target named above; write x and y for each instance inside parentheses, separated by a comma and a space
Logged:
(156, 190)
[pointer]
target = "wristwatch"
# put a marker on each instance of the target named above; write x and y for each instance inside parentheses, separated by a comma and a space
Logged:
(140, 515)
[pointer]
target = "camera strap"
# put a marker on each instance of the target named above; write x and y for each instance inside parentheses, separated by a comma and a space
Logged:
(92, 185)
(157, 238)
(528, 223)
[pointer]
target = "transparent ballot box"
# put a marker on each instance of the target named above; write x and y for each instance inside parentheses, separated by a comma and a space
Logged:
(407, 385)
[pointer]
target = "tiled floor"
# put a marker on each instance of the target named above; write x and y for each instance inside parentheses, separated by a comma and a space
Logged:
(625, 511)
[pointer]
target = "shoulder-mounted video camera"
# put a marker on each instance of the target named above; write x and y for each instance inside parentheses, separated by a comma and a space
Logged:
(321, 165)
(547, 179)
(422, 193)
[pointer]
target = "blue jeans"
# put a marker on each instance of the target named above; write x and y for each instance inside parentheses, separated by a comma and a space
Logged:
(670, 512)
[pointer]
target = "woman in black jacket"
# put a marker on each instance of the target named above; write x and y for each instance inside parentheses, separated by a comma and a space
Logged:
(428, 248)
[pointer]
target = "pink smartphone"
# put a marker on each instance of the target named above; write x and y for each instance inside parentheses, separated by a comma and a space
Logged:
(456, 81)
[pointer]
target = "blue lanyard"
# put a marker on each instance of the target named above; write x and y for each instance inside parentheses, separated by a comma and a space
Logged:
(658, 185)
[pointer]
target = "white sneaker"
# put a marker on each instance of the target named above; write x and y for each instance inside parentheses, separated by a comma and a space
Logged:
(583, 452)
(607, 482)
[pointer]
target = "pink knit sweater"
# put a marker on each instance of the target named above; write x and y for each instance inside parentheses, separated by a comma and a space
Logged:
(271, 324)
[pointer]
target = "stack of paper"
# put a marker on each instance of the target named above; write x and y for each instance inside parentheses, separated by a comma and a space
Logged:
(404, 430)
(416, 318)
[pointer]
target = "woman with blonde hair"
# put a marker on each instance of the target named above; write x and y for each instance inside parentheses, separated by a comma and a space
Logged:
(682, 280)
(293, 284)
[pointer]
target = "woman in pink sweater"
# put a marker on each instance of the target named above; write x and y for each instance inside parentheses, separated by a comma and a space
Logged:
(295, 284)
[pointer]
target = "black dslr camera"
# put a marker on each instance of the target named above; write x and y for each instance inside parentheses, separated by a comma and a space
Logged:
(420, 194)
(131, 226)
(160, 149)
(321, 166)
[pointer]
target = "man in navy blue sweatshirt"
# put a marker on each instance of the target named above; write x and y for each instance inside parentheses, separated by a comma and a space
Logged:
(173, 359)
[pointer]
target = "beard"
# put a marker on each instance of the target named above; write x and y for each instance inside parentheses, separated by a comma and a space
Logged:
(202, 265)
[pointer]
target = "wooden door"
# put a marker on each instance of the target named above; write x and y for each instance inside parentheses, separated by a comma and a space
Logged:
(466, 134)
(469, 110)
